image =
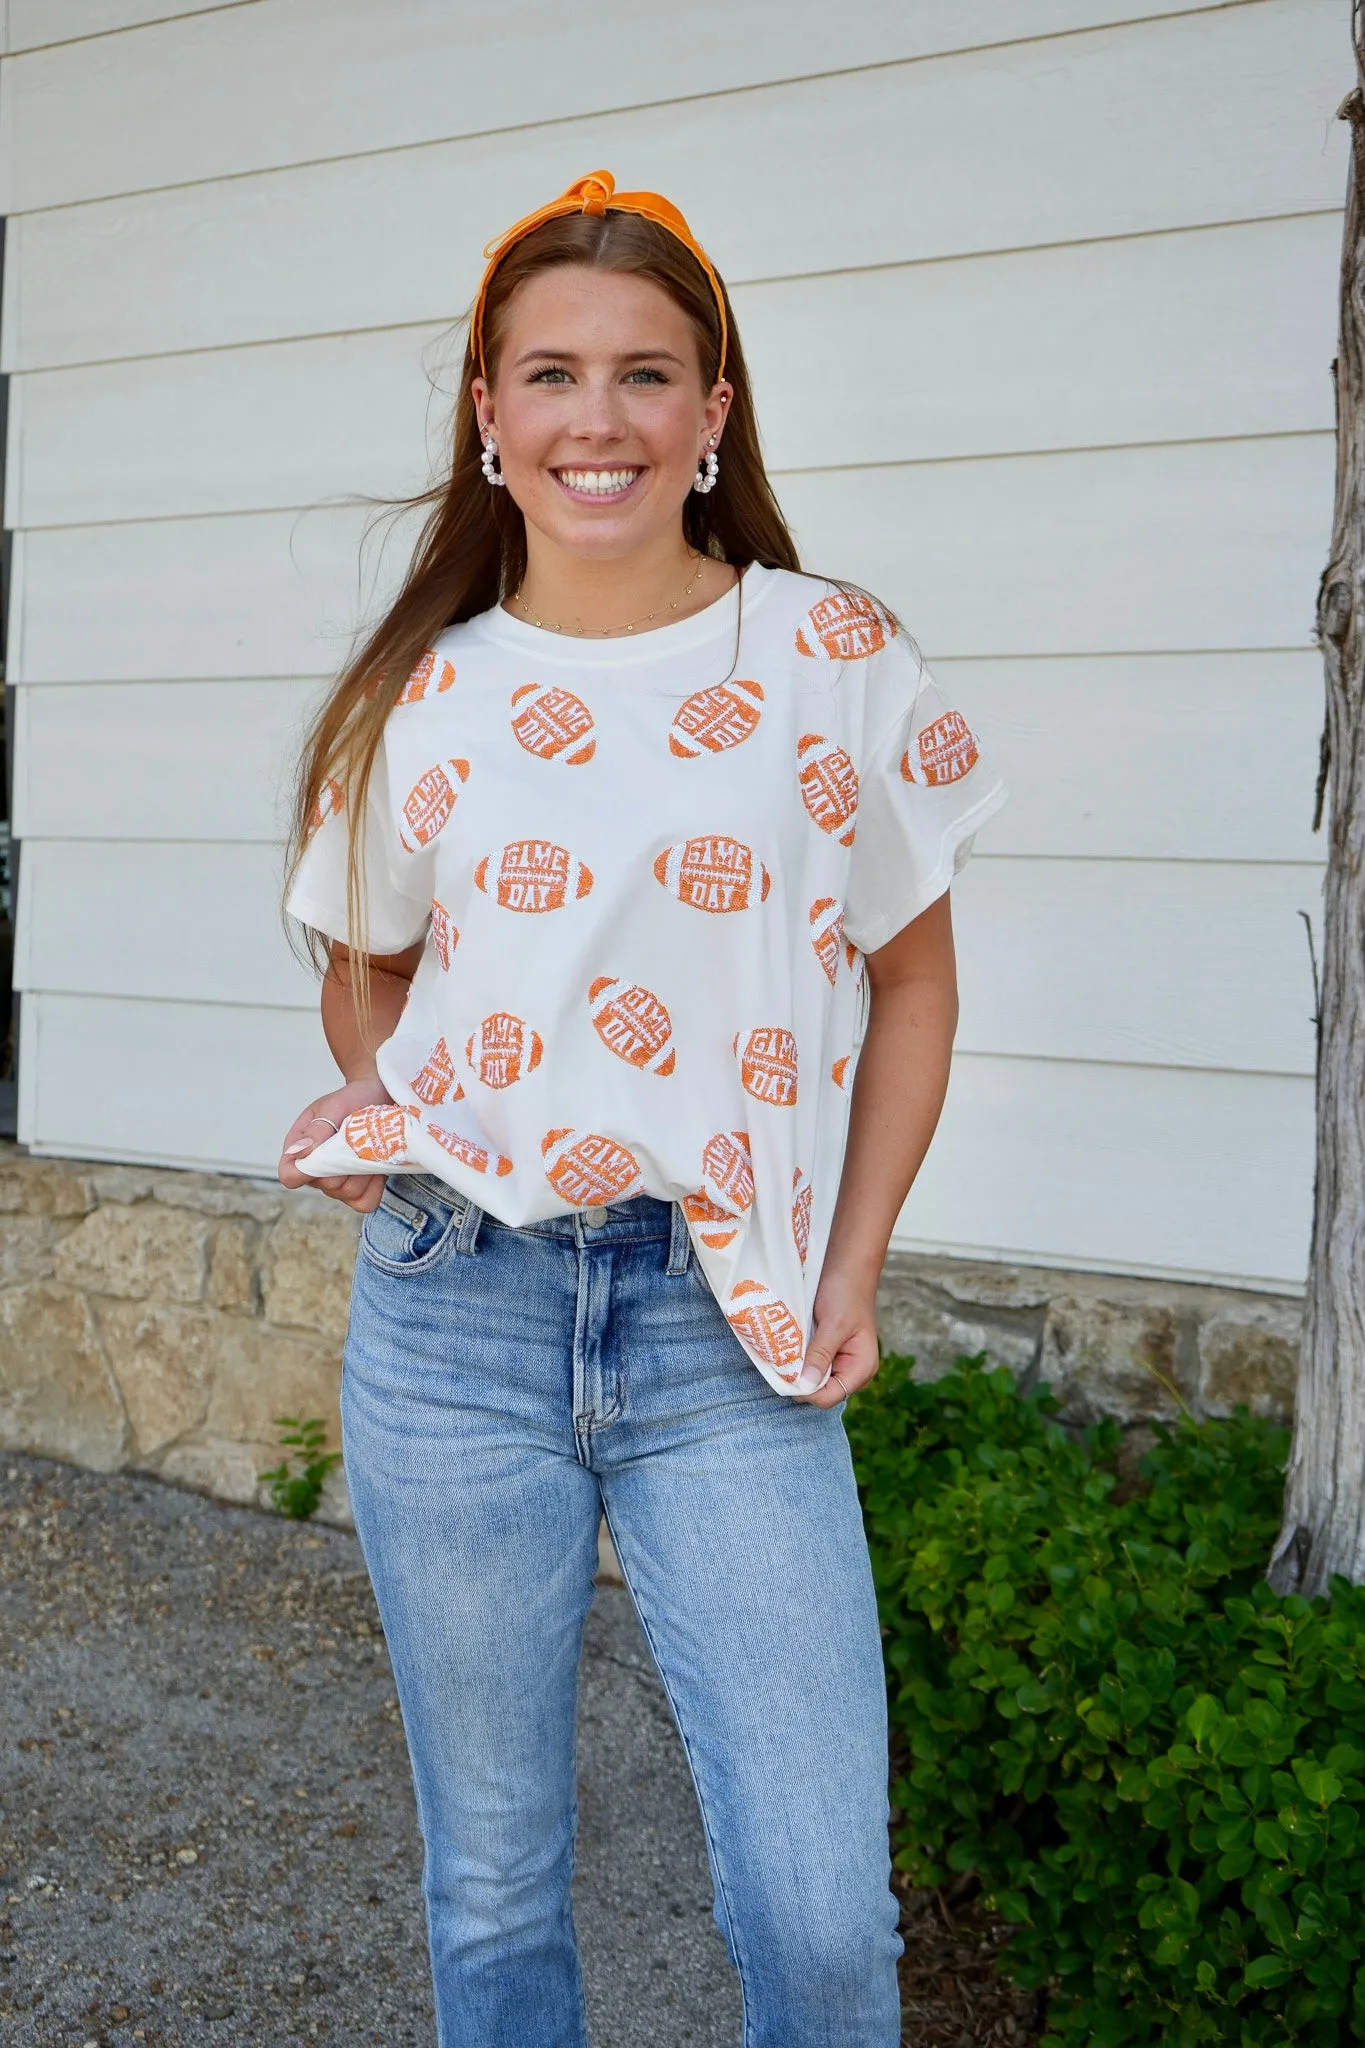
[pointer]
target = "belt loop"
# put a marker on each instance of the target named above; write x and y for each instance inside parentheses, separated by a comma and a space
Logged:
(679, 1243)
(468, 1236)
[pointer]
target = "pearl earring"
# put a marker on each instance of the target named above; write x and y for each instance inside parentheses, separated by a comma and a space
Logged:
(708, 469)
(490, 450)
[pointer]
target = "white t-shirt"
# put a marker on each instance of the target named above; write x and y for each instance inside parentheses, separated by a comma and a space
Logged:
(647, 872)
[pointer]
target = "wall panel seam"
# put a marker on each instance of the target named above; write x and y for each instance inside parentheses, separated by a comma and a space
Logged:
(1308, 867)
(932, 659)
(1052, 1059)
(1007, 1255)
(69, 991)
(102, 35)
(1059, 453)
(602, 113)
(73, 990)
(1060, 449)
(942, 658)
(174, 682)
(452, 323)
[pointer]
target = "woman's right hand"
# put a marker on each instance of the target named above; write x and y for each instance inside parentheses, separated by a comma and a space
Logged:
(320, 1121)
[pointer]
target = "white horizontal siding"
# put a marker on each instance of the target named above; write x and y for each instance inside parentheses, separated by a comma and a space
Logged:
(1203, 1175)
(265, 595)
(196, 1084)
(1123, 1169)
(198, 923)
(1039, 331)
(333, 78)
(158, 760)
(1211, 117)
(1119, 551)
(1179, 757)
(1155, 963)
(34, 24)
(1184, 547)
(1216, 333)
(1166, 963)
(1207, 757)
(243, 430)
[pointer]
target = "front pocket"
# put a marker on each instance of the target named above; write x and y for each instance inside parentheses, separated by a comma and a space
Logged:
(412, 1228)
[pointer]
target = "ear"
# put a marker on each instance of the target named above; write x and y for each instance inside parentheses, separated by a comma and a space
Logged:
(714, 415)
(483, 406)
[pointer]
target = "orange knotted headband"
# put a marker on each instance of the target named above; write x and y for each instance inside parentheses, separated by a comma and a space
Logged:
(596, 194)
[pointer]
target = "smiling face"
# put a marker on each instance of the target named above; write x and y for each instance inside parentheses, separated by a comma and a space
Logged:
(599, 410)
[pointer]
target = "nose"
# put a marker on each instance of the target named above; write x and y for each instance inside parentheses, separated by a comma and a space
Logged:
(599, 416)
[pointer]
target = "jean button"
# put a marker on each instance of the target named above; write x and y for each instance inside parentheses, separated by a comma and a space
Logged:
(595, 1217)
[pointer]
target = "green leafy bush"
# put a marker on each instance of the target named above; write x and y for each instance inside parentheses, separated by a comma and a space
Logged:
(1153, 1764)
(298, 1493)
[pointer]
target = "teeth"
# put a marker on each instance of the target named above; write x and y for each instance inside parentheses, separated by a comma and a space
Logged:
(602, 481)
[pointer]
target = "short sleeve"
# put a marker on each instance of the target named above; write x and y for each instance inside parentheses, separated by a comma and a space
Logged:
(397, 898)
(924, 789)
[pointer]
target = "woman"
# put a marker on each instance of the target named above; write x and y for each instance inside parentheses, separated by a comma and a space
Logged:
(618, 832)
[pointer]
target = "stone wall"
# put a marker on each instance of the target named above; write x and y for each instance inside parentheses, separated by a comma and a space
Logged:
(161, 1320)
(1139, 1350)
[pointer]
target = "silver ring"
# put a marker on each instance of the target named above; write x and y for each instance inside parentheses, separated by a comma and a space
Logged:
(325, 1120)
(834, 1376)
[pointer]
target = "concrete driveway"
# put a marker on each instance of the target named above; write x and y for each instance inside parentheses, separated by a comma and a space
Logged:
(206, 1822)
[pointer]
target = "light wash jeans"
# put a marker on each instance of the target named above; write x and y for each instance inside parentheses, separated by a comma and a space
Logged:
(501, 1389)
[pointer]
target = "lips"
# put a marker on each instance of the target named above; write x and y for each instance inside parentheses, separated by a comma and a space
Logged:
(596, 483)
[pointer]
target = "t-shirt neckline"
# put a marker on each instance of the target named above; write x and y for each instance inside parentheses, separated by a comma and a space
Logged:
(714, 622)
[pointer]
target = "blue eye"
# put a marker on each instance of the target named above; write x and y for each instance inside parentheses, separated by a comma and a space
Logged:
(552, 371)
(651, 376)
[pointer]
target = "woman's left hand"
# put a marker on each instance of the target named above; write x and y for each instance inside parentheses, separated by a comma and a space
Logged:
(843, 1342)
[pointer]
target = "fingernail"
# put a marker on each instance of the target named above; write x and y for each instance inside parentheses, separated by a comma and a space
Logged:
(810, 1379)
(299, 1145)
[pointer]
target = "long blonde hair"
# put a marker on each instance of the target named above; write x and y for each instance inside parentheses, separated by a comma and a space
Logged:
(471, 551)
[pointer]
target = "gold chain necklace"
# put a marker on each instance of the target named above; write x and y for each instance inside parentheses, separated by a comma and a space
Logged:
(583, 632)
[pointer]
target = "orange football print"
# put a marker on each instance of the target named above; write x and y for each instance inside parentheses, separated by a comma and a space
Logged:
(477, 1157)
(727, 1171)
(713, 873)
(767, 1064)
(801, 1201)
(947, 751)
(762, 1321)
(430, 801)
(826, 933)
(331, 799)
(726, 1192)
(585, 1169)
(503, 1049)
(532, 875)
(829, 785)
(716, 1227)
(633, 1023)
(437, 1077)
(846, 626)
(444, 934)
(378, 1133)
(419, 682)
(838, 1073)
(710, 721)
(553, 724)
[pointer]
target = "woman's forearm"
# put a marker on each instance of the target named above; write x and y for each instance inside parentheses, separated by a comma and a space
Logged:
(389, 979)
(898, 1091)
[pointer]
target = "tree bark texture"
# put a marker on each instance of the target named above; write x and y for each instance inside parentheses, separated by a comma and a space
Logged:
(1323, 1532)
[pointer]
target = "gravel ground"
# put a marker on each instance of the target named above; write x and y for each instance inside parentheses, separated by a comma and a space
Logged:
(207, 1831)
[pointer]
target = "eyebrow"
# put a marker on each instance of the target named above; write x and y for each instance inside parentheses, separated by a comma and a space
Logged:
(635, 355)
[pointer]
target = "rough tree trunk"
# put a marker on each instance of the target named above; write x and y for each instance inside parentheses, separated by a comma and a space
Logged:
(1323, 1532)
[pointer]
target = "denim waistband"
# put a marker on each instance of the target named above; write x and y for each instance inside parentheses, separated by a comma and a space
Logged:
(638, 1220)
